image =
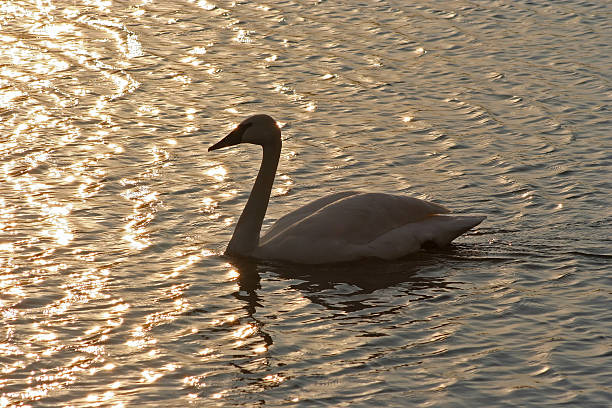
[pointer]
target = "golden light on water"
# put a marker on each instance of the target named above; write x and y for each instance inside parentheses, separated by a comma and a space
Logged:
(60, 182)
(150, 376)
(187, 261)
(219, 395)
(136, 228)
(311, 106)
(7, 97)
(206, 5)
(218, 173)
(148, 110)
(245, 331)
(274, 379)
(191, 60)
(57, 217)
(233, 274)
(114, 289)
(260, 349)
(54, 31)
(228, 193)
(103, 398)
(243, 36)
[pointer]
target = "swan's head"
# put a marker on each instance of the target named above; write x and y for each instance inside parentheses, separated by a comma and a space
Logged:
(257, 129)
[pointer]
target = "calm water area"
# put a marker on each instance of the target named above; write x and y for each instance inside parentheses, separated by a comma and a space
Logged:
(114, 290)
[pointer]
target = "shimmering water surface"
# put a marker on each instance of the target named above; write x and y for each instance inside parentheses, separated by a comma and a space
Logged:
(113, 217)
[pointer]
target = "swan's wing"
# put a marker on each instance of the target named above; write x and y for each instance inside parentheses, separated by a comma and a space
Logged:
(356, 219)
(295, 216)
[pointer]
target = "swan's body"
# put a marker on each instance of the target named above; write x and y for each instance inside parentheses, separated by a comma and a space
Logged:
(339, 227)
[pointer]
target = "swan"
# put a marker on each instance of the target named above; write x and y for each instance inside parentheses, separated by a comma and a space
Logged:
(339, 227)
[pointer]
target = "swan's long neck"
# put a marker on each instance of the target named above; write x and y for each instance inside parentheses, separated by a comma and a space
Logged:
(246, 235)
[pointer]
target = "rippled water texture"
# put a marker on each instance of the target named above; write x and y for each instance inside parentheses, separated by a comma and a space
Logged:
(113, 217)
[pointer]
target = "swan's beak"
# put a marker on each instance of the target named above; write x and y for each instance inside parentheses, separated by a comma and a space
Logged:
(232, 139)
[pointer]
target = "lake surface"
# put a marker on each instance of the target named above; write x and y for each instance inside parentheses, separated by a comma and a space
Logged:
(114, 218)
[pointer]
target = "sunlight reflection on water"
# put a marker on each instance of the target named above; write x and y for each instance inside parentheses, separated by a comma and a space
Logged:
(113, 218)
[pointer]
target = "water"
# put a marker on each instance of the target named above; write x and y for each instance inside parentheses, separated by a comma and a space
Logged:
(113, 217)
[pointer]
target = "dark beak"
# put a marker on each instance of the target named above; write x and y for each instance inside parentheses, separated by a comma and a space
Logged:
(232, 139)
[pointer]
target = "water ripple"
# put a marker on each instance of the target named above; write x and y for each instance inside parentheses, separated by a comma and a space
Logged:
(113, 218)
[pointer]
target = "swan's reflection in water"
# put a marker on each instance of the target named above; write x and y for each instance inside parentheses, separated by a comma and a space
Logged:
(367, 275)
(349, 287)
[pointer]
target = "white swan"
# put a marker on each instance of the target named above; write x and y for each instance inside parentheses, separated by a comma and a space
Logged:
(339, 227)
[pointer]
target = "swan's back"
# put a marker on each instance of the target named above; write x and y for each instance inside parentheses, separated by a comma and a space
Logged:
(352, 217)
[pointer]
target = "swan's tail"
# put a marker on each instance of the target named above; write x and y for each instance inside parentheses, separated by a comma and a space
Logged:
(443, 229)
(439, 230)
